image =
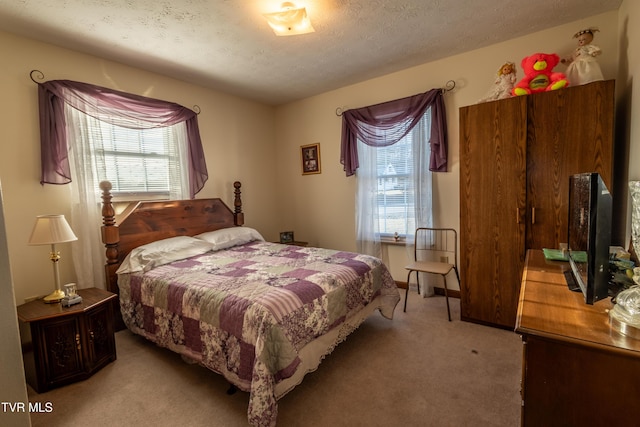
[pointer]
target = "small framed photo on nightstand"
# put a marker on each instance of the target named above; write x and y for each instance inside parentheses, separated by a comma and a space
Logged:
(286, 237)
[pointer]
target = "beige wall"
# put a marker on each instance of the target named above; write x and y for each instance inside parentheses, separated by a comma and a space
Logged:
(237, 136)
(265, 156)
(320, 208)
(628, 94)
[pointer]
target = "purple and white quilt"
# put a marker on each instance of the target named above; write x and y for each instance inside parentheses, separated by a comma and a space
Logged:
(247, 311)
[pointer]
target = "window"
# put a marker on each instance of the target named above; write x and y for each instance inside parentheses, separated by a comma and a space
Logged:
(139, 163)
(397, 170)
(147, 148)
(395, 188)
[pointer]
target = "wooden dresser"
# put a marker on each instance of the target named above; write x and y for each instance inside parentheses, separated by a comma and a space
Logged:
(577, 370)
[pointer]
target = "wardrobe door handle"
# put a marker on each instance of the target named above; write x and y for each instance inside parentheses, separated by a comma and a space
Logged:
(517, 215)
(533, 215)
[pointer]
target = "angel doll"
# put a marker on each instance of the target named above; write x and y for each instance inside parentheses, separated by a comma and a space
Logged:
(583, 67)
(503, 84)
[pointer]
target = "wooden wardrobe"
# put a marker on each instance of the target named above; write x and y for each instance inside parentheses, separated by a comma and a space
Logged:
(516, 156)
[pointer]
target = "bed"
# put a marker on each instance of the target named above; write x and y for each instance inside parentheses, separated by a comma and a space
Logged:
(192, 278)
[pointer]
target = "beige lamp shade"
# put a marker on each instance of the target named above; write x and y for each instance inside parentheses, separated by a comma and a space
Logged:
(290, 20)
(51, 229)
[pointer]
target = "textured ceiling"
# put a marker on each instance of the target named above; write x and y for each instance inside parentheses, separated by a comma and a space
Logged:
(228, 46)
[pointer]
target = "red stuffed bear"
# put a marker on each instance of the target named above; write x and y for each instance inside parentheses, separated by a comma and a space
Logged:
(539, 75)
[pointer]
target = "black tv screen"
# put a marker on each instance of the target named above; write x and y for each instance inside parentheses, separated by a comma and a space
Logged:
(589, 234)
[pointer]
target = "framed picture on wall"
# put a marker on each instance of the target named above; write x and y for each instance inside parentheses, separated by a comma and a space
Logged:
(310, 157)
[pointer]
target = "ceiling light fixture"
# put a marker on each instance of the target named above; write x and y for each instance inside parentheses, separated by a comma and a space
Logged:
(290, 21)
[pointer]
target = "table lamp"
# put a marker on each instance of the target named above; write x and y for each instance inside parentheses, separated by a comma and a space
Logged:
(50, 230)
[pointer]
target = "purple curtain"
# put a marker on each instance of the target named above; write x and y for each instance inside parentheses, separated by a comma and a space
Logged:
(387, 123)
(118, 108)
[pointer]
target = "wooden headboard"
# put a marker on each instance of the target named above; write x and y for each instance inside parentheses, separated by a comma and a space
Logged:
(146, 222)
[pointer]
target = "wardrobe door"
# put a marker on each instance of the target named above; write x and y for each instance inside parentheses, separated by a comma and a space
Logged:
(570, 131)
(492, 209)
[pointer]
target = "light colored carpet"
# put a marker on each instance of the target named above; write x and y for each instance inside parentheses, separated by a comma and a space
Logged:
(416, 370)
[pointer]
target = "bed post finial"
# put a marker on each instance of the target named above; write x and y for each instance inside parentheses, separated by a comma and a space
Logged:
(108, 213)
(110, 235)
(237, 203)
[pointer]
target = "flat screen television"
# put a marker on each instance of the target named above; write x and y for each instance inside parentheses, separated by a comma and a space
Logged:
(589, 234)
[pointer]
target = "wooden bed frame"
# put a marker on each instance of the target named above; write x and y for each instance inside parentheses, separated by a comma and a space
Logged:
(145, 222)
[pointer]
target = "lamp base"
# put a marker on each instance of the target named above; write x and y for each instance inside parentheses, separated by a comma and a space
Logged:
(56, 296)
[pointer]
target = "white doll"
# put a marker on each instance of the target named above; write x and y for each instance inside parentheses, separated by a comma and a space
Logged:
(503, 84)
(583, 67)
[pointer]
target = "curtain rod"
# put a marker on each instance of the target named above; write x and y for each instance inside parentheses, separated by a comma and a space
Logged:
(449, 86)
(40, 76)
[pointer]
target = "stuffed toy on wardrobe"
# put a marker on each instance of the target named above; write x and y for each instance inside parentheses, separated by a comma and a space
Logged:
(583, 67)
(503, 85)
(539, 75)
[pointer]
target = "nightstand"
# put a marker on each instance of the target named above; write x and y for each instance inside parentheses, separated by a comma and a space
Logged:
(62, 345)
(295, 243)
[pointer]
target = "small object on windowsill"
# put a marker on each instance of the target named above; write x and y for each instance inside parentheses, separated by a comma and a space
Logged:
(392, 240)
(396, 237)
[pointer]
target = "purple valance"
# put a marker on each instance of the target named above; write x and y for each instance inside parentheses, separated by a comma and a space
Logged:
(387, 123)
(118, 108)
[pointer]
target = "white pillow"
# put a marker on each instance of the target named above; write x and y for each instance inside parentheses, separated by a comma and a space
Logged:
(145, 257)
(228, 237)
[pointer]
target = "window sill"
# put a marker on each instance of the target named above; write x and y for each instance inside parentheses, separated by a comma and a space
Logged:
(393, 242)
(136, 197)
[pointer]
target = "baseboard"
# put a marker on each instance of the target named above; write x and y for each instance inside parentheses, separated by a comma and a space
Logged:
(453, 293)
(401, 285)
